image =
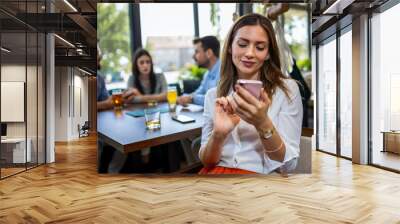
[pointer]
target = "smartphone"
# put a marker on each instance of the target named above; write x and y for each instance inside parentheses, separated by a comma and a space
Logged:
(253, 86)
(183, 119)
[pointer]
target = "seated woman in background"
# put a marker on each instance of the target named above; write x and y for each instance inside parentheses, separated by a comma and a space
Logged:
(145, 85)
(243, 134)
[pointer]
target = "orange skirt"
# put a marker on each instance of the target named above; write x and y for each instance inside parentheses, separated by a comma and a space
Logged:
(224, 170)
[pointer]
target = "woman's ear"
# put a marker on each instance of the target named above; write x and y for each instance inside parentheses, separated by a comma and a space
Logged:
(266, 58)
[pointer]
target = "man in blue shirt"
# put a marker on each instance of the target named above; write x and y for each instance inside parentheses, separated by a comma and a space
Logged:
(104, 101)
(206, 55)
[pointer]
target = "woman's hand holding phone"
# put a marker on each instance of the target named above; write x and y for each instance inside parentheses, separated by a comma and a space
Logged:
(248, 107)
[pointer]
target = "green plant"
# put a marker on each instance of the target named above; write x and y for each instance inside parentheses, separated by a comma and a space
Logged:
(304, 64)
(197, 72)
(192, 72)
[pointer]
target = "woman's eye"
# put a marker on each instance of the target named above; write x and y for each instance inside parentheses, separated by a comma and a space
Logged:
(260, 48)
(242, 45)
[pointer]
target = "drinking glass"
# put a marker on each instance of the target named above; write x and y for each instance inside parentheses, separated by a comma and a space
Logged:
(117, 99)
(172, 96)
(152, 118)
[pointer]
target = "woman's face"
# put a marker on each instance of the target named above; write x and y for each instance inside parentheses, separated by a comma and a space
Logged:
(144, 64)
(249, 50)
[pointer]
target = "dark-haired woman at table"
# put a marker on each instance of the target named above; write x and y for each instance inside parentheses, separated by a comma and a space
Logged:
(145, 85)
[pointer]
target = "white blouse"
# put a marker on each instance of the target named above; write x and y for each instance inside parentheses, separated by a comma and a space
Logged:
(243, 148)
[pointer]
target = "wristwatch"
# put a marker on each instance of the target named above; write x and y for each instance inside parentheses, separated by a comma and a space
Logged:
(267, 133)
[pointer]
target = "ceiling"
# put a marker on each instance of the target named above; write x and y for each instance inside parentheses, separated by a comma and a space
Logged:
(330, 15)
(74, 21)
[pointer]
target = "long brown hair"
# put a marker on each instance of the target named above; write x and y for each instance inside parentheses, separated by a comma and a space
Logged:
(270, 72)
(139, 53)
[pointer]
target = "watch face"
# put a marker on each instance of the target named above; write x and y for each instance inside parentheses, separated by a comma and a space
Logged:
(268, 134)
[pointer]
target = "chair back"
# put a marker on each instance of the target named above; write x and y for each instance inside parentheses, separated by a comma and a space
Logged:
(190, 85)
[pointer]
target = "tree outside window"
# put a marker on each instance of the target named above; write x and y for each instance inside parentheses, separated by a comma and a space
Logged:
(114, 42)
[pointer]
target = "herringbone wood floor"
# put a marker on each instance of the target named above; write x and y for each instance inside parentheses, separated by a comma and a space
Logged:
(71, 191)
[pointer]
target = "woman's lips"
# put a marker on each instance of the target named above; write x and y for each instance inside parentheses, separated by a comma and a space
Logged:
(248, 64)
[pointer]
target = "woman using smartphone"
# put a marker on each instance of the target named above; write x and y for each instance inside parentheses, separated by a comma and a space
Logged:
(242, 133)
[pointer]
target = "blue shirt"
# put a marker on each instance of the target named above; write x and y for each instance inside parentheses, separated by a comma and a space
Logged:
(102, 93)
(210, 80)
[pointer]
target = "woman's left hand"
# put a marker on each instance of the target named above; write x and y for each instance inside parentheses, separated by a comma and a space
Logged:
(131, 93)
(249, 108)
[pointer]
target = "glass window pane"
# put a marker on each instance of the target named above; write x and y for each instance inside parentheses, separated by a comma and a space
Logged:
(114, 41)
(385, 84)
(219, 23)
(31, 100)
(346, 94)
(22, 87)
(327, 97)
(41, 99)
(13, 83)
(296, 33)
(169, 40)
(259, 8)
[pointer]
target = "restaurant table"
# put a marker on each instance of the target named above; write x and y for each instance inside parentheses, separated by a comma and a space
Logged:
(127, 133)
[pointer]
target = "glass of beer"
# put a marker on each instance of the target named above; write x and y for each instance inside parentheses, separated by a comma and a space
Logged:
(152, 118)
(117, 99)
(172, 96)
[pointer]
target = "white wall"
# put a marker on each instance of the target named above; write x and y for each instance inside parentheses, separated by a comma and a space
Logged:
(61, 103)
(71, 102)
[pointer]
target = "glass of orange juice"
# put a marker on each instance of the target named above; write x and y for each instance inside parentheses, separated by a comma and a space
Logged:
(172, 96)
